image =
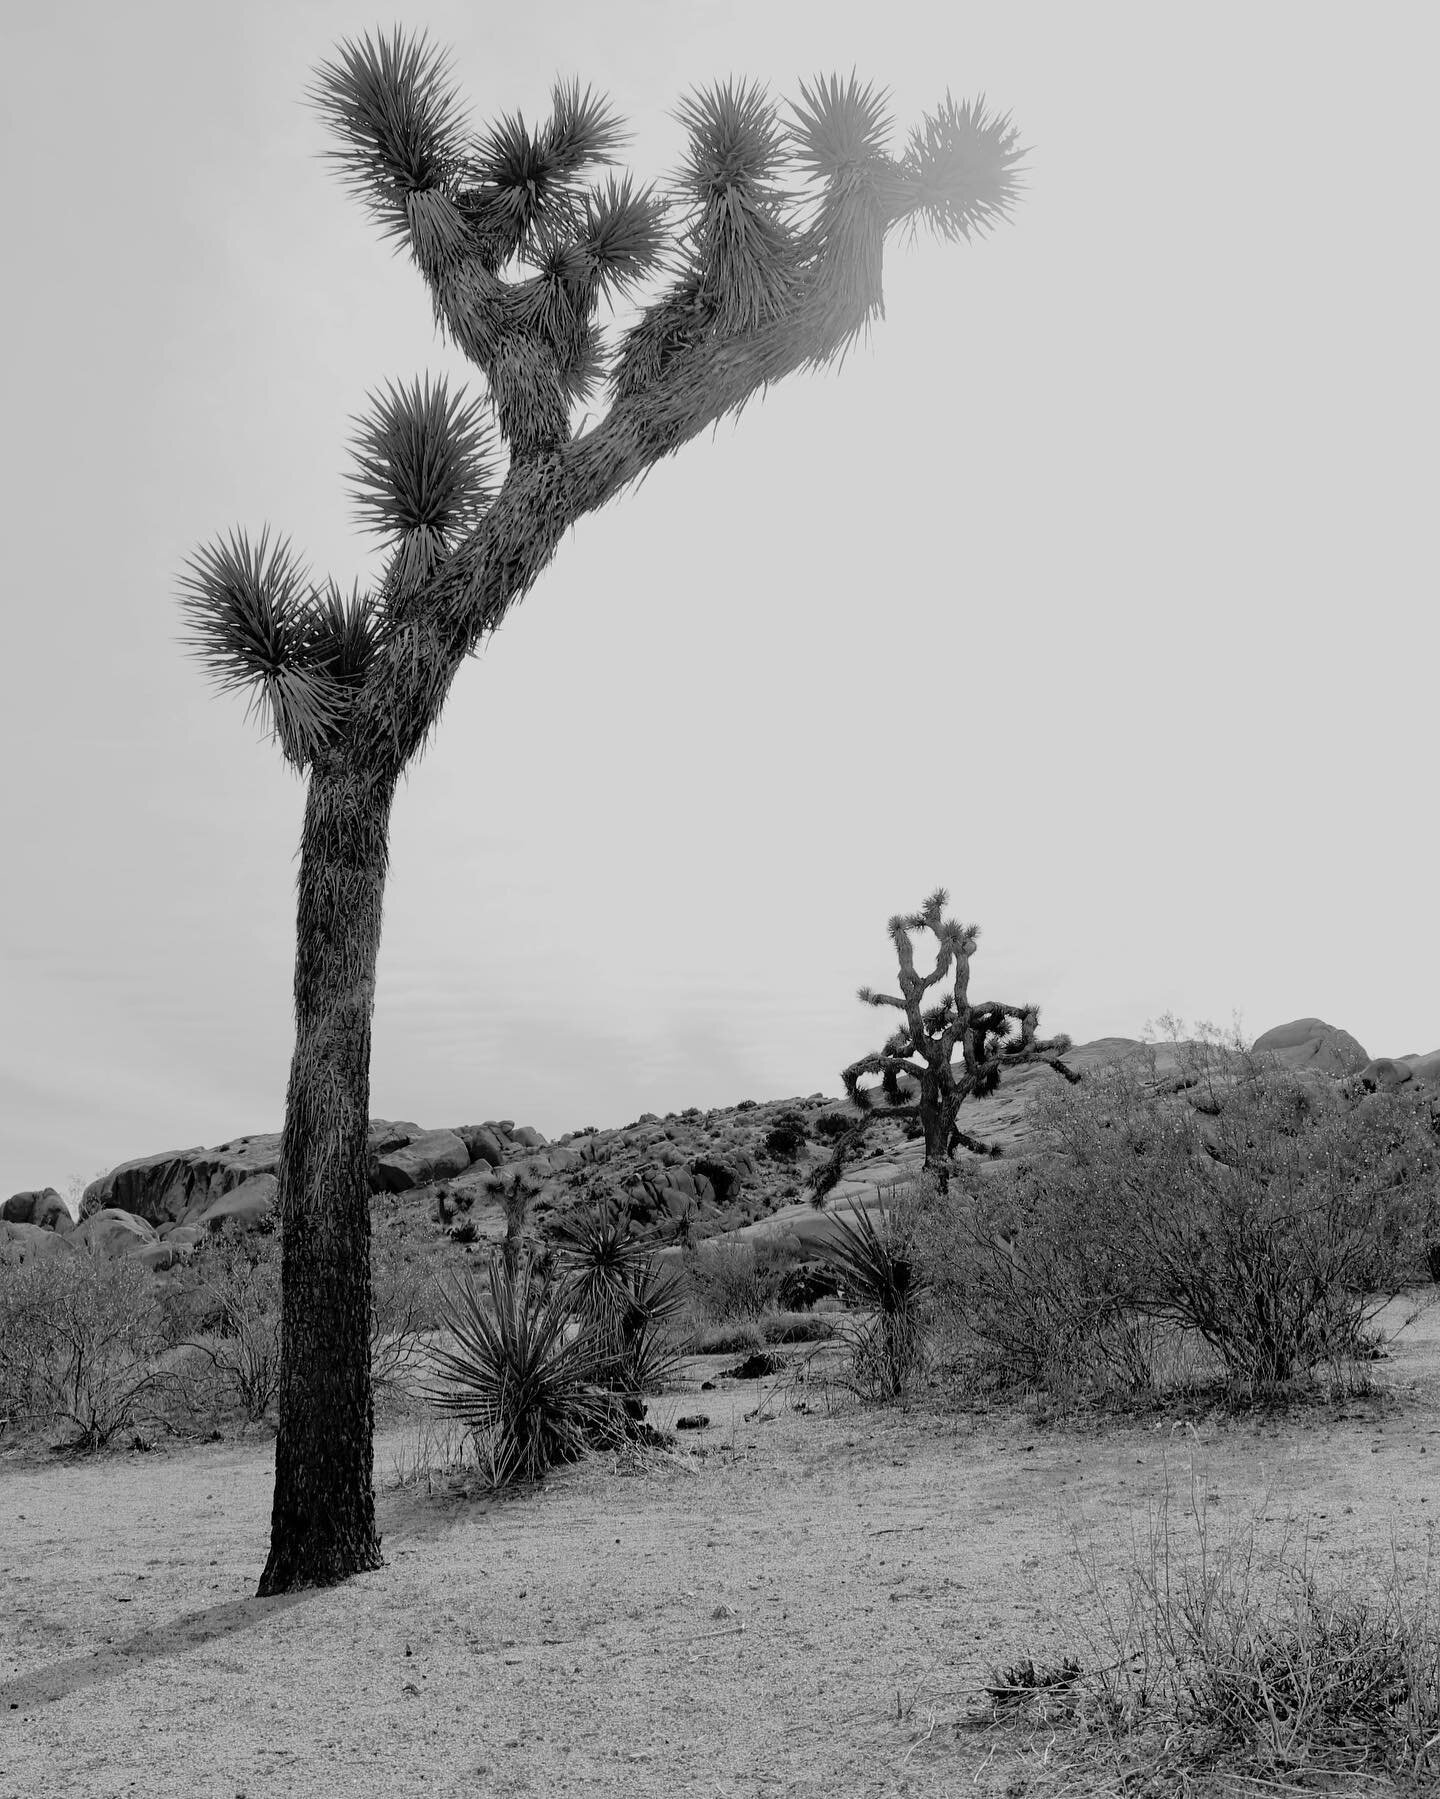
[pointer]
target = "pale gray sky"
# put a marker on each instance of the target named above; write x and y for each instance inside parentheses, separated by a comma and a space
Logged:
(1099, 587)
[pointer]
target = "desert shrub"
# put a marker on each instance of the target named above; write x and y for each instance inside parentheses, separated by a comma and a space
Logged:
(797, 1327)
(737, 1336)
(224, 1309)
(1266, 1214)
(742, 1336)
(731, 1281)
(82, 1337)
(787, 1136)
(404, 1305)
(804, 1283)
(234, 1290)
(882, 1276)
(521, 1380)
(1023, 1299)
(831, 1126)
(1221, 1664)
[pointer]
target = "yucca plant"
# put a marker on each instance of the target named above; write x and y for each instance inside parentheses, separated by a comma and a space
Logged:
(881, 1276)
(642, 1348)
(523, 1383)
(767, 251)
(599, 1249)
(623, 1295)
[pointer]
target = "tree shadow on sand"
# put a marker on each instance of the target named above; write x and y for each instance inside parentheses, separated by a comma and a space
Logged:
(194, 1630)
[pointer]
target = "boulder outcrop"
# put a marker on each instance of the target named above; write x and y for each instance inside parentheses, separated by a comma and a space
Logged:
(692, 1172)
(220, 1171)
(32, 1243)
(431, 1156)
(1383, 1074)
(1311, 1043)
(156, 1188)
(247, 1205)
(482, 1143)
(115, 1232)
(1425, 1069)
(169, 1188)
(42, 1207)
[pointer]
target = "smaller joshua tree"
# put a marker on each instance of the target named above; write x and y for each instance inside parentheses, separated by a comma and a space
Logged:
(924, 1047)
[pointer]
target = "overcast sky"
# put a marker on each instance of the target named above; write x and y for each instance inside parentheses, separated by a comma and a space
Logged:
(1099, 586)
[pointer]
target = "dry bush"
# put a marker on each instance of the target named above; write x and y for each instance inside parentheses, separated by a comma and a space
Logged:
(234, 1286)
(82, 1339)
(435, 1462)
(739, 1337)
(224, 1311)
(1218, 1664)
(731, 1282)
(1261, 1215)
(404, 1306)
(759, 1333)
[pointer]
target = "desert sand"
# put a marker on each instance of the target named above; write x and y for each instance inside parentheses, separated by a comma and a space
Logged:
(802, 1603)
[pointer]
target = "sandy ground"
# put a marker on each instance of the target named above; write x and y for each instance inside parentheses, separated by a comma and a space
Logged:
(804, 1609)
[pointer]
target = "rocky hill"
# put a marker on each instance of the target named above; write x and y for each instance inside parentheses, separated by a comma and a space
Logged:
(688, 1175)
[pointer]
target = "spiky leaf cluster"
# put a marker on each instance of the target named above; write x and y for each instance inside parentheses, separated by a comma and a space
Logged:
(772, 232)
(421, 477)
(960, 173)
(839, 128)
(258, 624)
(516, 1378)
(765, 223)
(737, 233)
(624, 1298)
(422, 472)
(877, 1266)
(521, 185)
(399, 122)
(600, 1252)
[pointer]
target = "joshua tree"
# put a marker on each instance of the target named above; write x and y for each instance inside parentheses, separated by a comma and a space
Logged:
(516, 1193)
(923, 1049)
(769, 245)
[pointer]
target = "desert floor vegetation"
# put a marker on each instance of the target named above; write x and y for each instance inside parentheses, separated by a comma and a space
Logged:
(972, 1588)
(1102, 1471)
(809, 1593)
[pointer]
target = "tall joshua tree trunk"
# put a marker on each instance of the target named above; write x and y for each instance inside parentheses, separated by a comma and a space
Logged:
(323, 1517)
(774, 233)
(938, 1120)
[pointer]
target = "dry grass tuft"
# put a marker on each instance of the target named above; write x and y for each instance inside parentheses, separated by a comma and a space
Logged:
(1222, 1670)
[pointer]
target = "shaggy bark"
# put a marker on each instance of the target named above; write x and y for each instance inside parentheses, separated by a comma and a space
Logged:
(938, 1120)
(323, 1518)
